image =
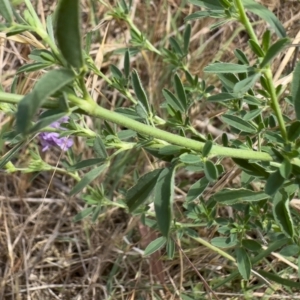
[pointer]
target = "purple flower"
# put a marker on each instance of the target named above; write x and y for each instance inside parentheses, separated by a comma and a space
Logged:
(49, 139)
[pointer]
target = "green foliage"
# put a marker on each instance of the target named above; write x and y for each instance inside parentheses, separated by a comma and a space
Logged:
(141, 136)
(243, 262)
(155, 245)
(273, 51)
(239, 123)
(47, 119)
(68, 32)
(163, 200)
(99, 147)
(140, 92)
(197, 189)
(232, 196)
(296, 90)
(282, 214)
(210, 170)
(87, 179)
(6, 10)
(50, 83)
(266, 15)
(139, 193)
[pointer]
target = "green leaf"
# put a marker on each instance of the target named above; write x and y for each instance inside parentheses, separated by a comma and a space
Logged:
(50, 83)
(285, 169)
(252, 169)
(33, 18)
(290, 188)
(99, 147)
(252, 100)
(156, 153)
(155, 245)
(6, 10)
(207, 148)
(232, 196)
(173, 101)
(197, 15)
(273, 51)
(47, 119)
(68, 35)
(274, 137)
(115, 71)
(210, 170)
(251, 245)
(225, 140)
(228, 80)
(274, 183)
(10, 154)
(279, 280)
(170, 150)
(290, 250)
(186, 38)
(170, 248)
(83, 214)
(227, 68)
(86, 163)
(222, 97)
(180, 93)
(188, 158)
(96, 212)
(141, 111)
(266, 15)
(223, 242)
(186, 297)
(246, 84)
(282, 214)
(239, 123)
(294, 130)
(175, 46)
(163, 200)
(140, 192)
(266, 40)
(124, 6)
(256, 48)
(240, 55)
(126, 134)
(296, 89)
(128, 112)
(250, 115)
(210, 4)
(87, 179)
(243, 263)
(49, 26)
(127, 64)
(197, 189)
(33, 67)
(262, 254)
(139, 90)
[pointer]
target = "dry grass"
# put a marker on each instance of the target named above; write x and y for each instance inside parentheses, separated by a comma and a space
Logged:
(44, 254)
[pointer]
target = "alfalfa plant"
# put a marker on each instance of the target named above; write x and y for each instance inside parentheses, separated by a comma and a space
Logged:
(265, 147)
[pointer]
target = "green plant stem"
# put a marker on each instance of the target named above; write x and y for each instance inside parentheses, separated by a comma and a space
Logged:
(245, 21)
(275, 104)
(213, 248)
(15, 99)
(93, 109)
(267, 71)
(102, 113)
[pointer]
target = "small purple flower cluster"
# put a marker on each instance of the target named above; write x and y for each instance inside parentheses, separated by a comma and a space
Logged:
(50, 139)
